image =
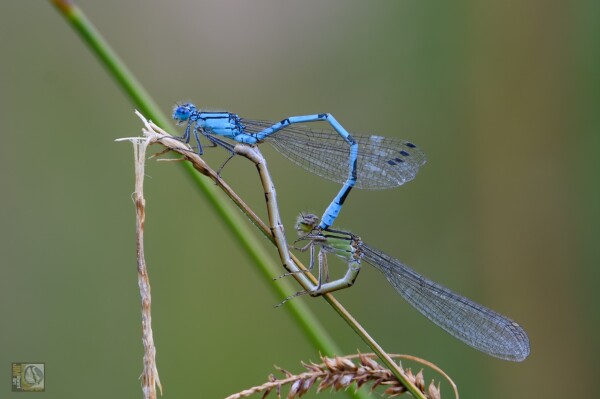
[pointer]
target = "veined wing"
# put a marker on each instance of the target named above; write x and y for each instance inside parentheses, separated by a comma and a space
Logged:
(474, 324)
(382, 162)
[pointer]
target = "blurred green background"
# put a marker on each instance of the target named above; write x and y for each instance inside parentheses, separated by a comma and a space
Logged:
(502, 96)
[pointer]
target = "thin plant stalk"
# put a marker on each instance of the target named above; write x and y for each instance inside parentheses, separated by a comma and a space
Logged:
(150, 379)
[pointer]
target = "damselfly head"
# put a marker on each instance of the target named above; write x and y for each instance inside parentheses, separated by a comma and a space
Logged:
(181, 113)
(306, 223)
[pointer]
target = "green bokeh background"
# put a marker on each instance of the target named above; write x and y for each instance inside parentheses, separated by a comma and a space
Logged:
(502, 96)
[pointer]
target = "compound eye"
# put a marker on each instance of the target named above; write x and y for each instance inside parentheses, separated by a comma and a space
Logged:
(181, 113)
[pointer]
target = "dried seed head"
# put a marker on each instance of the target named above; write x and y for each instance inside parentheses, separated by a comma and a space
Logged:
(340, 373)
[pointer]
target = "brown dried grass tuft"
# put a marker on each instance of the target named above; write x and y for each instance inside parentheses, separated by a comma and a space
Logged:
(340, 373)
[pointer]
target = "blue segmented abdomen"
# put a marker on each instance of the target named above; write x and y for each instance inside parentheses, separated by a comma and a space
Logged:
(383, 162)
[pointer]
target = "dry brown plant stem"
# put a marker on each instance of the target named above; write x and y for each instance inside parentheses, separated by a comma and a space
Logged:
(149, 377)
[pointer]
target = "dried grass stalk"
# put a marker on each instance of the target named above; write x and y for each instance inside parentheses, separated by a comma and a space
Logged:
(149, 378)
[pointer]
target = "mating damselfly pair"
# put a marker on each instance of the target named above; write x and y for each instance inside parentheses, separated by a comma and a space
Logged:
(373, 162)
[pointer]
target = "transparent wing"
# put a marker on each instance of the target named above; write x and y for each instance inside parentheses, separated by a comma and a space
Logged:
(474, 324)
(382, 162)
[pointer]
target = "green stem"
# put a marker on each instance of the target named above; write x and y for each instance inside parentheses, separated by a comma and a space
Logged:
(116, 68)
